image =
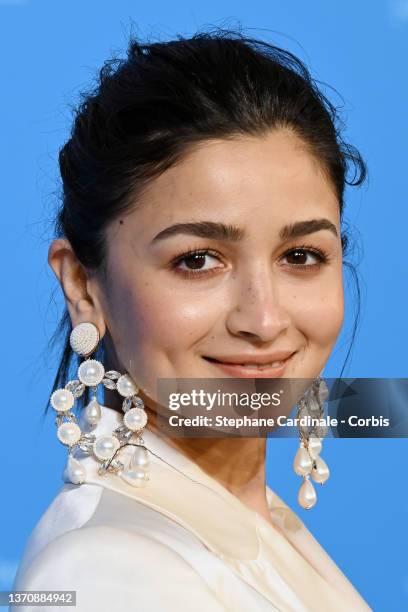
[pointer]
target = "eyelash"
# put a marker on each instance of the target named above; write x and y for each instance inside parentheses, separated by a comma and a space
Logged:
(319, 253)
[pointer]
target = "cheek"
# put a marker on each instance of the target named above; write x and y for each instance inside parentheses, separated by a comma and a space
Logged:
(319, 314)
(324, 323)
(156, 332)
(157, 322)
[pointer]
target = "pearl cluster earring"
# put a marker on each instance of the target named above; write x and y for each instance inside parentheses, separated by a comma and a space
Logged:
(84, 340)
(307, 462)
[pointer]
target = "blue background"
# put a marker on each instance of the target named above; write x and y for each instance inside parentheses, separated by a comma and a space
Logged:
(49, 52)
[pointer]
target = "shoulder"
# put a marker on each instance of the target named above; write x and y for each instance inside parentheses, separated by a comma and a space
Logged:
(113, 569)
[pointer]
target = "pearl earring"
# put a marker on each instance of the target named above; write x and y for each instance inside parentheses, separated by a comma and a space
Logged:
(307, 460)
(84, 340)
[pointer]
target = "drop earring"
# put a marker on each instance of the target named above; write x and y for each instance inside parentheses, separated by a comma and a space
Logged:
(84, 340)
(307, 462)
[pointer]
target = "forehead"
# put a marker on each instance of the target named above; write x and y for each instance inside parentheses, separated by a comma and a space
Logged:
(249, 181)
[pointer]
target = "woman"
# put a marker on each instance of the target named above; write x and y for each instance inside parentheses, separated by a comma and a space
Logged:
(199, 237)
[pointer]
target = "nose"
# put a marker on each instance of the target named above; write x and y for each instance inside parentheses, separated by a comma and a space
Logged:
(258, 313)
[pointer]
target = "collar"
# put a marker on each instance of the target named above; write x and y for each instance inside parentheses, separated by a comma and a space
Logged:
(280, 559)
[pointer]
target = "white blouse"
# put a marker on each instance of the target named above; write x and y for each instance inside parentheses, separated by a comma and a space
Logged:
(183, 542)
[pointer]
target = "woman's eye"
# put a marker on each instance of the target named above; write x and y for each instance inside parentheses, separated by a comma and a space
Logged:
(201, 261)
(205, 262)
(305, 258)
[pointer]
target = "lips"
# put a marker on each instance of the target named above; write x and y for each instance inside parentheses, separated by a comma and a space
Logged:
(252, 359)
(252, 366)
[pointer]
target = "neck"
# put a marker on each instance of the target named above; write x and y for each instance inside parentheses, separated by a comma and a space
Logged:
(238, 464)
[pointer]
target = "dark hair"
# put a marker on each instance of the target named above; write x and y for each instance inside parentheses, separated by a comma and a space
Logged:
(148, 109)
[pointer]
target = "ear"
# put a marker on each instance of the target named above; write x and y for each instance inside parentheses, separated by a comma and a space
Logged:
(78, 289)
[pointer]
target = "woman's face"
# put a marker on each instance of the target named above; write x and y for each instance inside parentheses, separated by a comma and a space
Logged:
(271, 283)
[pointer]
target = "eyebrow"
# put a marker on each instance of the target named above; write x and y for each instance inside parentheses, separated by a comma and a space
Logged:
(232, 233)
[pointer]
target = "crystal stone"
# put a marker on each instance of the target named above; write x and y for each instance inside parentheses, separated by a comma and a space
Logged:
(76, 387)
(138, 402)
(108, 383)
(113, 374)
(323, 391)
(127, 404)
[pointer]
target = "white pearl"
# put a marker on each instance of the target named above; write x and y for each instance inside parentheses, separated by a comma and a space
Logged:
(139, 459)
(136, 478)
(68, 433)
(320, 471)
(84, 338)
(307, 495)
(105, 447)
(314, 446)
(62, 400)
(91, 372)
(74, 471)
(92, 413)
(135, 419)
(126, 386)
(302, 463)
